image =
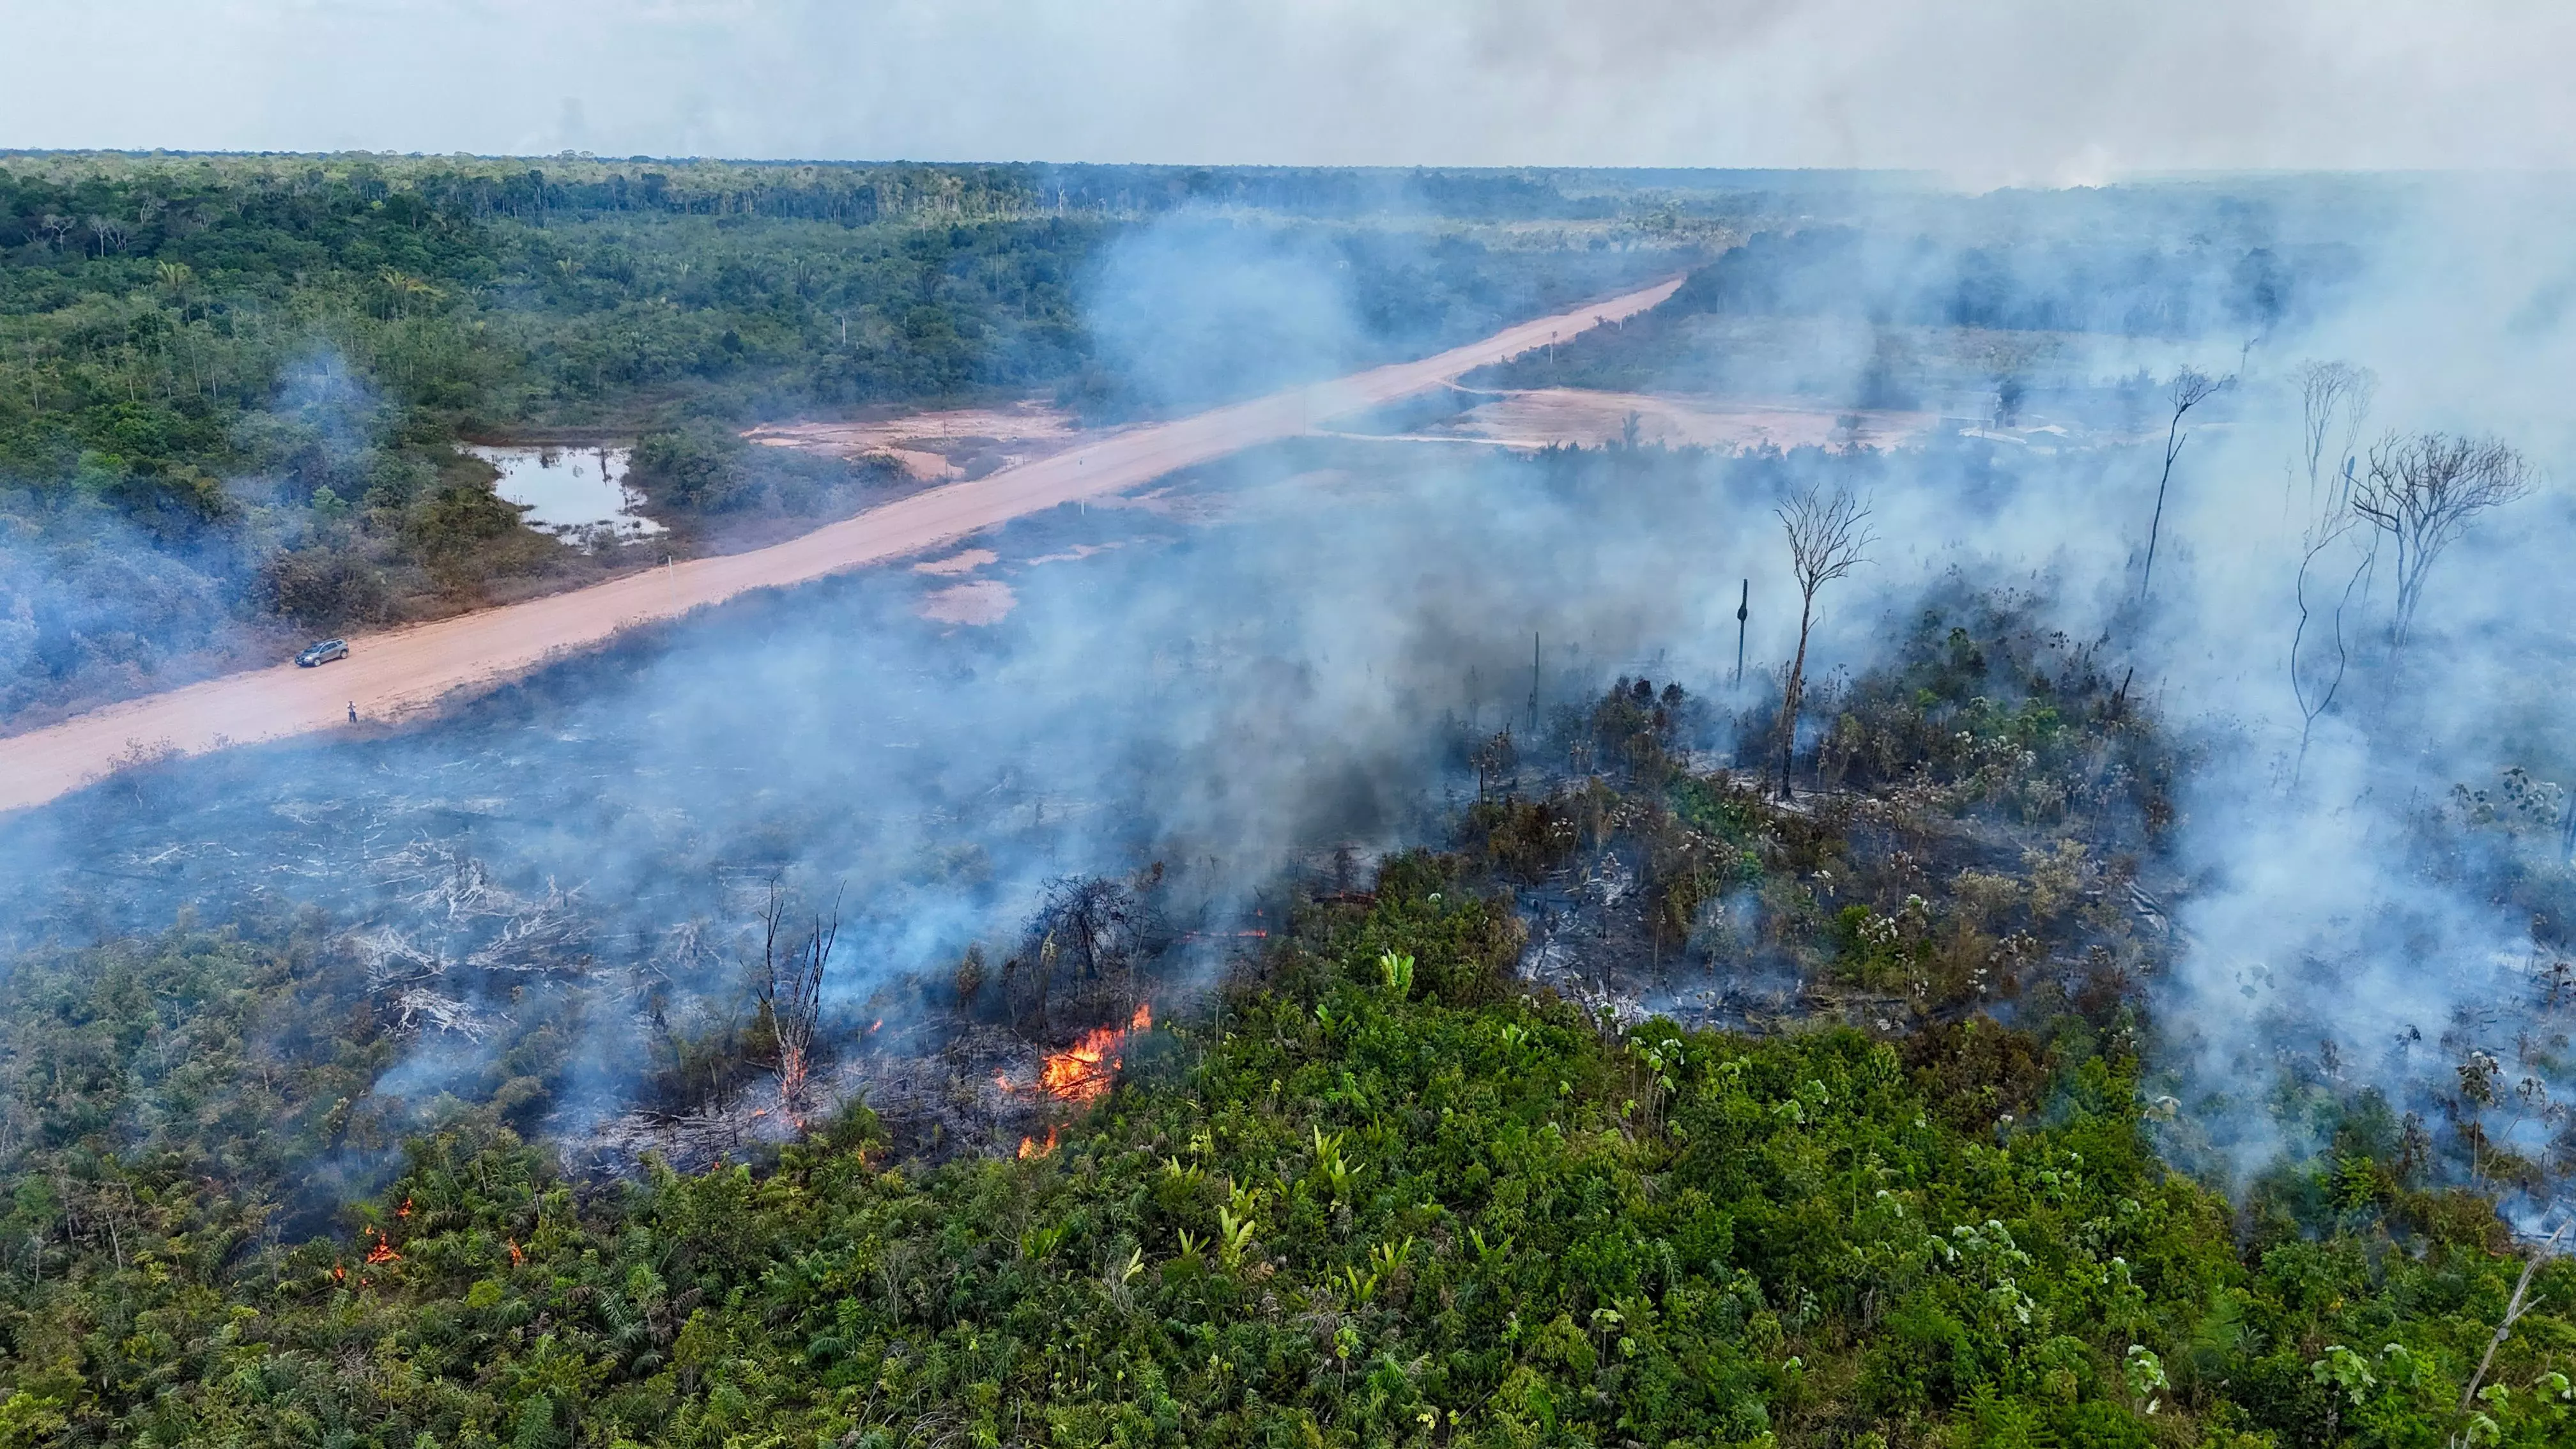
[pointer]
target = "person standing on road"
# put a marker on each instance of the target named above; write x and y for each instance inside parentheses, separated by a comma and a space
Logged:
(353, 711)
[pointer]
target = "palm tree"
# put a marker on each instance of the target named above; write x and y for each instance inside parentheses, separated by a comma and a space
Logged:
(407, 288)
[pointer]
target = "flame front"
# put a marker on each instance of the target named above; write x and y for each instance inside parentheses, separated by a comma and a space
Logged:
(1082, 1072)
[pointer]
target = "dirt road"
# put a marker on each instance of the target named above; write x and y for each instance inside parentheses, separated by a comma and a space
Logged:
(403, 672)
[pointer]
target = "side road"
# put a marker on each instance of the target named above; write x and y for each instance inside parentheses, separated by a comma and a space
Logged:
(402, 672)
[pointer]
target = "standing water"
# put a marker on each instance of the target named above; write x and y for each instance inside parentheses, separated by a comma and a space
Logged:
(575, 492)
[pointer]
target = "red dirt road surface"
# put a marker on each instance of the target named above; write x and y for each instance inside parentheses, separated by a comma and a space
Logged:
(403, 672)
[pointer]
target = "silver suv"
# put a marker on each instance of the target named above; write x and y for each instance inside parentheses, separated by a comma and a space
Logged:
(323, 653)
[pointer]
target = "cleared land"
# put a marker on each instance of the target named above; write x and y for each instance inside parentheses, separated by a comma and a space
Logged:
(938, 446)
(1542, 416)
(402, 673)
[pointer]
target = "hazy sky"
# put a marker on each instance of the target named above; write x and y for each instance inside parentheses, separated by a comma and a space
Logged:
(1997, 90)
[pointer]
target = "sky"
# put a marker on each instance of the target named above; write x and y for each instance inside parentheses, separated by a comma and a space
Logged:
(1990, 91)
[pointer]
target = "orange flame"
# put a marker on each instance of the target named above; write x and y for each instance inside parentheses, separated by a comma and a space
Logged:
(383, 1251)
(1031, 1147)
(1081, 1072)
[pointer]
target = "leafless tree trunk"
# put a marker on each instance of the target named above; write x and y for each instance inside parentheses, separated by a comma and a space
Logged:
(1828, 534)
(2316, 675)
(1743, 612)
(790, 988)
(2334, 398)
(2422, 491)
(2190, 389)
(2513, 1312)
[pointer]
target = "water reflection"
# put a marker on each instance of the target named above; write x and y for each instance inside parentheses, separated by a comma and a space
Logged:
(571, 491)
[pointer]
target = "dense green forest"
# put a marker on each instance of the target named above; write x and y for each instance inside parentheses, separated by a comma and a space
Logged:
(229, 386)
(1376, 1187)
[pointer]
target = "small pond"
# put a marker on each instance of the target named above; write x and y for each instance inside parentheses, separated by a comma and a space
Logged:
(575, 492)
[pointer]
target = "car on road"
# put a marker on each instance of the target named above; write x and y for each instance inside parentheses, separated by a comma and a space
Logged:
(323, 653)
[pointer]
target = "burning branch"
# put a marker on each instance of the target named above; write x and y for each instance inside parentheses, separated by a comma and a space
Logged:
(1083, 1072)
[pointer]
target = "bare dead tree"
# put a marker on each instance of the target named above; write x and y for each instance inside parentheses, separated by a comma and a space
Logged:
(1828, 537)
(2318, 666)
(2421, 492)
(110, 232)
(804, 1003)
(2334, 398)
(2520, 1304)
(1743, 612)
(790, 986)
(2191, 387)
